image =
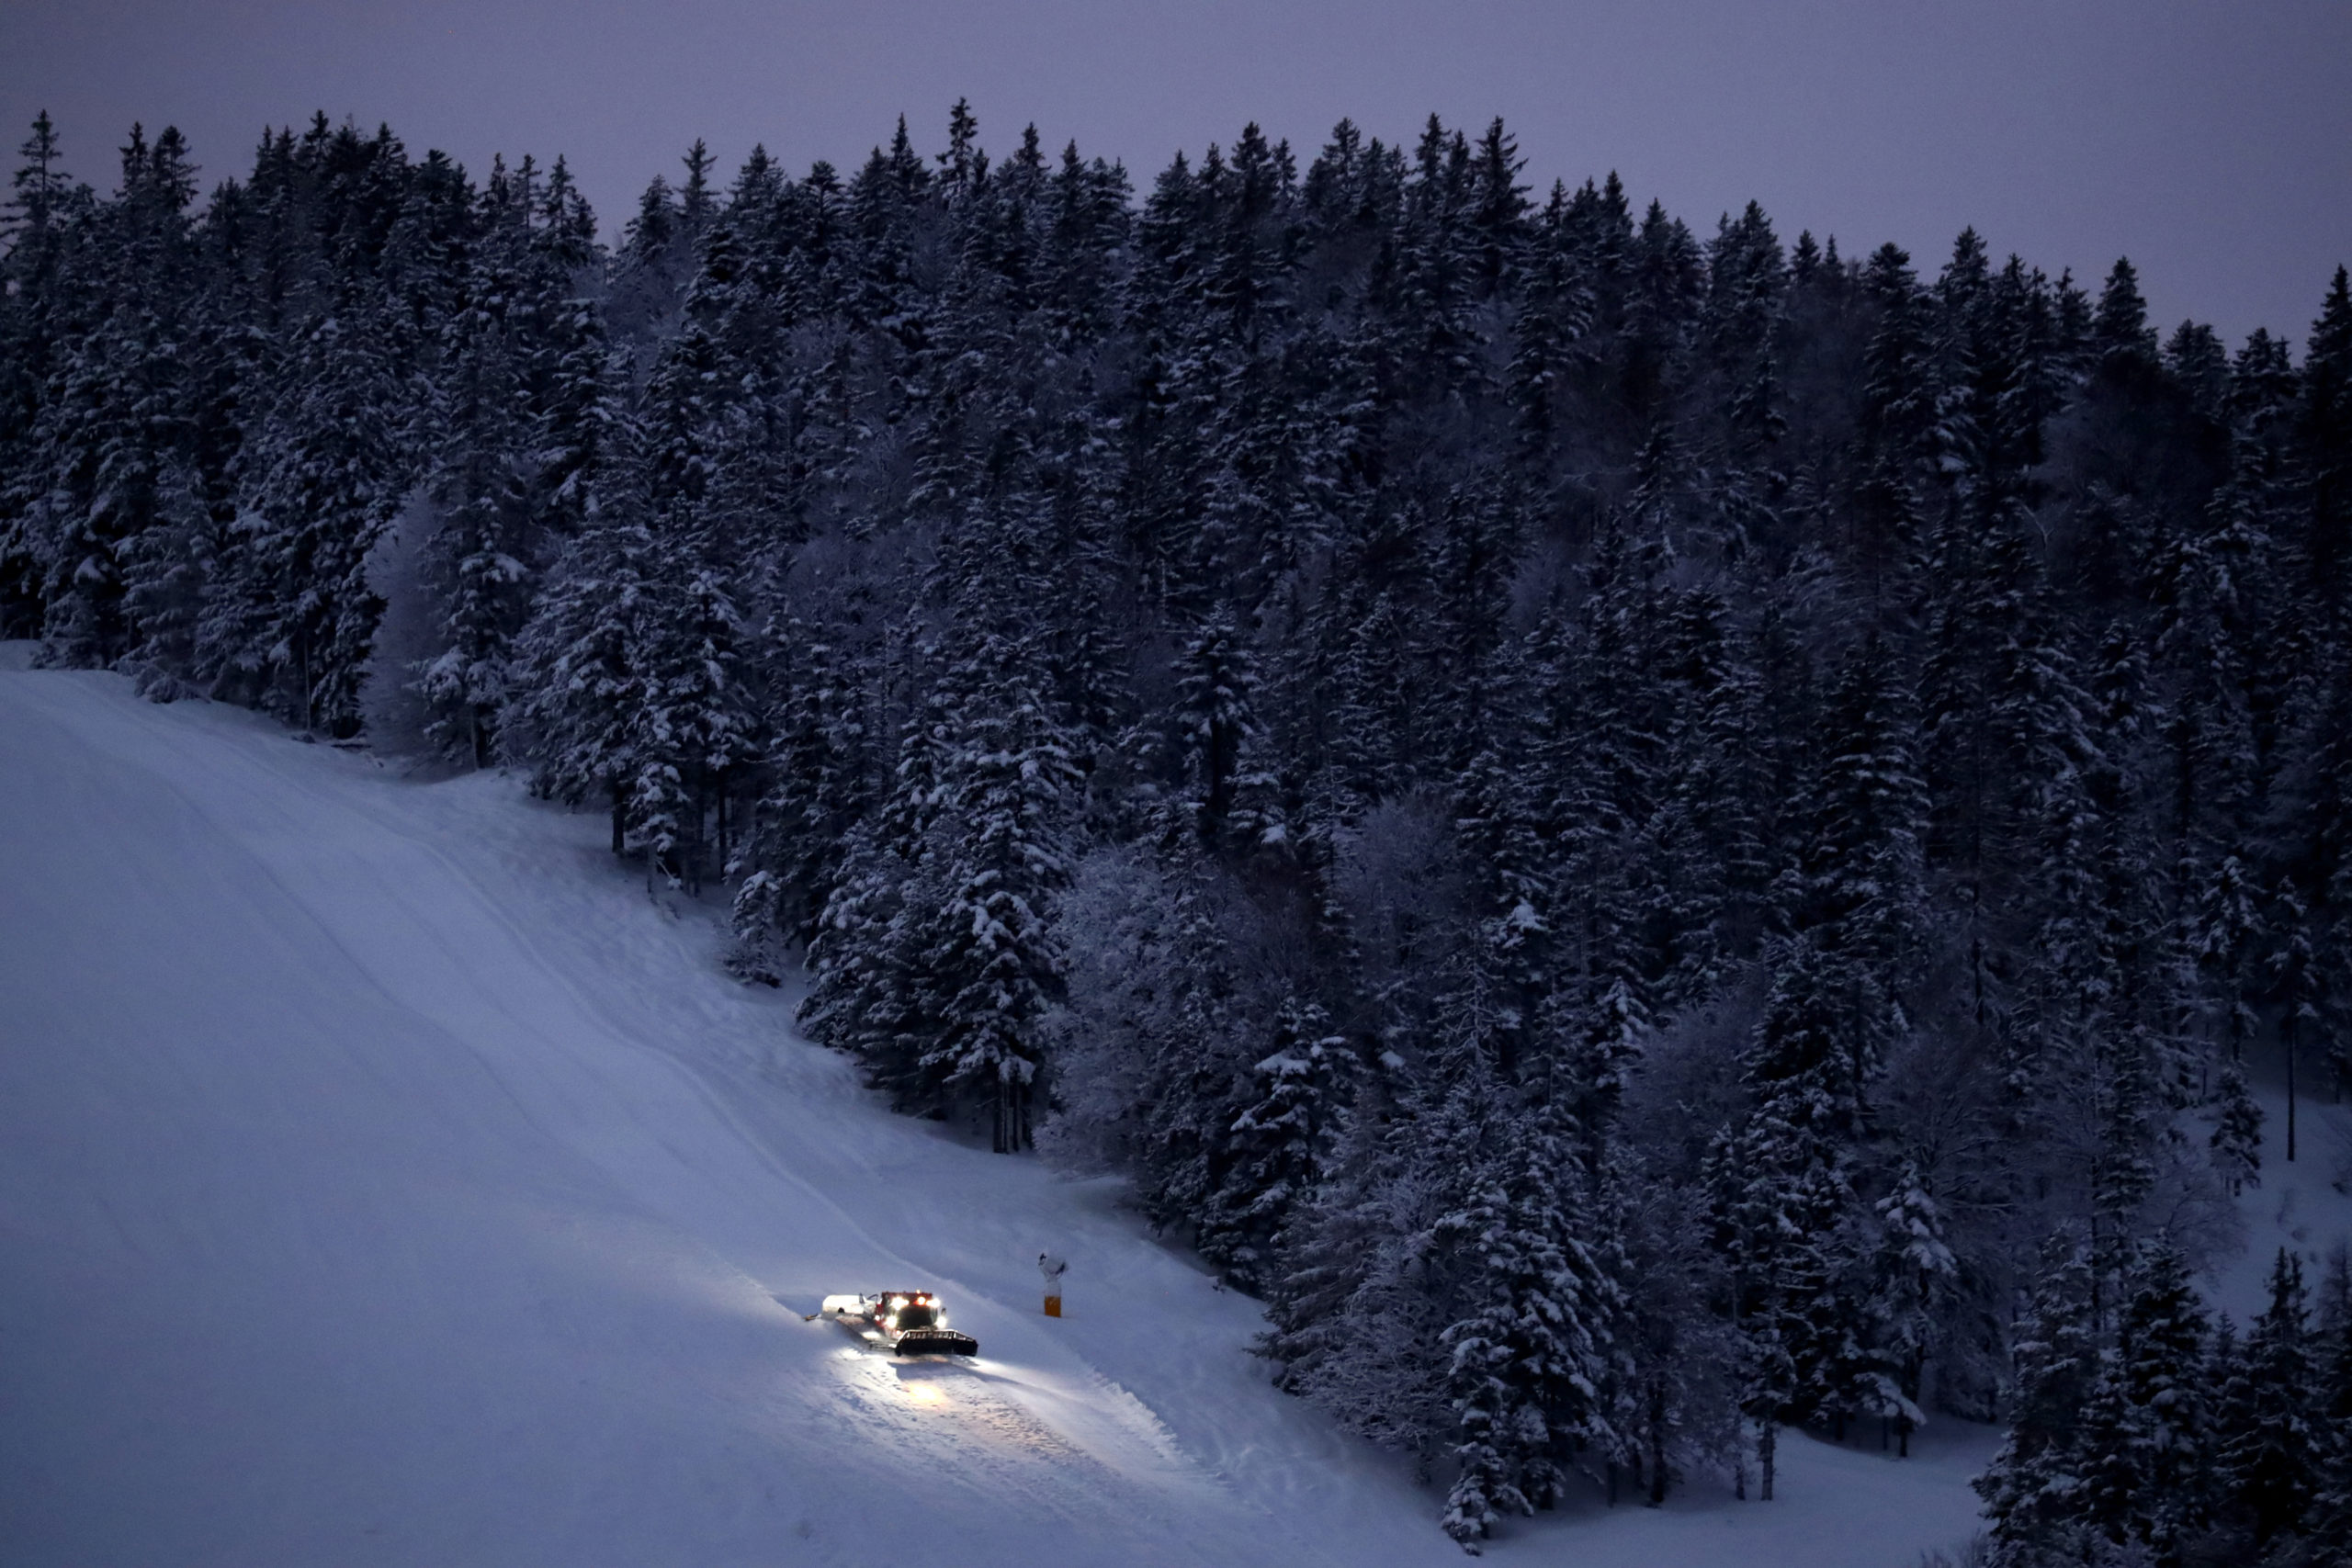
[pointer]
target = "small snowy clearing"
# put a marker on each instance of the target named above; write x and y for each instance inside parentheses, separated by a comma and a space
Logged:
(2305, 1207)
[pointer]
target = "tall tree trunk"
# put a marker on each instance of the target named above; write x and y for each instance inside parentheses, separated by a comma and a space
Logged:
(1657, 1445)
(2287, 1029)
(722, 821)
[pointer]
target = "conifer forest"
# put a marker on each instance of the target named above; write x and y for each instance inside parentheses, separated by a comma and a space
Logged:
(1647, 832)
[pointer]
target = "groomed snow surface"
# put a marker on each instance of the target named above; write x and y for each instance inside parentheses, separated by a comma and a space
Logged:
(387, 1177)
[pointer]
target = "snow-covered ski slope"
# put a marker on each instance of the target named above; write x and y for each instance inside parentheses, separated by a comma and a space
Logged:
(386, 1178)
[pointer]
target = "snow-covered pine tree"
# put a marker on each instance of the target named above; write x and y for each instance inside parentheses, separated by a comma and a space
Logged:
(1747, 290)
(116, 436)
(999, 966)
(1673, 1402)
(1912, 1273)
(2328, 1525)
(1366, 1295)
(1556, 315)
(1705, 831)
(44, 220)
(583, 661)
(2228, 936)
(1536, 1348)
(481, 558)
(694, 725)
(1278, 1148)
(292, 621)
(790, 857)
(2266, 1441)
(1215, 683)
(2236, 1138)
(2324, 424)
(2148, 1460)
(2034, 1489)
(868, 956)
(1782, 1190)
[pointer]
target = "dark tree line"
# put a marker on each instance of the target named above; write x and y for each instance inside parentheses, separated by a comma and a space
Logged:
(1623, 824)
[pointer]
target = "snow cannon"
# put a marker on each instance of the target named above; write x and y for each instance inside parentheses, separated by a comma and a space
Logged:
(912, 1323)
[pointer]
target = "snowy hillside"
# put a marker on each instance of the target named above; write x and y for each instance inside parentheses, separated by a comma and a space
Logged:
(386, 1178)
(2305, 1207)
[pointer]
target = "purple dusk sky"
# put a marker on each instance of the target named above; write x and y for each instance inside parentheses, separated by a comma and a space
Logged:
(2209, 140)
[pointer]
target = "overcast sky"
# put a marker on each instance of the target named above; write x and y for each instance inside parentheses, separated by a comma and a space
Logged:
(2210, 141)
